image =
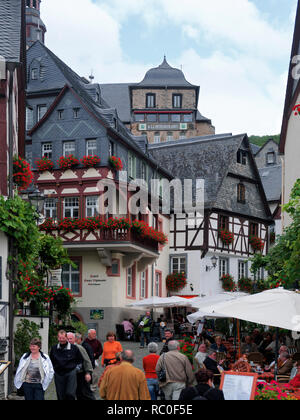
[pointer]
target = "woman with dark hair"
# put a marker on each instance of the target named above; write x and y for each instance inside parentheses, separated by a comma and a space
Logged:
(110, 348)
(204, 390)
(34, 373)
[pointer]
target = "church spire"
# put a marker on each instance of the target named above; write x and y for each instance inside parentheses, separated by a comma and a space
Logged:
(35, 28)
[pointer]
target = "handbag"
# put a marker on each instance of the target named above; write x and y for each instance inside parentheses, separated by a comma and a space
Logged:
(162, 374)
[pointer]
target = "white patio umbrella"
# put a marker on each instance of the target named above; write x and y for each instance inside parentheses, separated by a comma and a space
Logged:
(200, 302)
(159, 302)
(275, 308)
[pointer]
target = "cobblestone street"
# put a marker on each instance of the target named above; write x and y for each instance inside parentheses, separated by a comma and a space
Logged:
(127, 345)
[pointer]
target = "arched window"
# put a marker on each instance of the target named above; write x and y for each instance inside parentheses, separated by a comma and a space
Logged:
(241, 193)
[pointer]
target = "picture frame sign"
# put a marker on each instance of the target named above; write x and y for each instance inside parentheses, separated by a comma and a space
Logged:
(239, 386)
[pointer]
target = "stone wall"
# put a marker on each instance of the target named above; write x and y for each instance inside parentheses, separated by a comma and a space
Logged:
(164, 98)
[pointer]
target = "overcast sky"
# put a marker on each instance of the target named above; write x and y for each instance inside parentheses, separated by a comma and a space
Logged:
(238, 51)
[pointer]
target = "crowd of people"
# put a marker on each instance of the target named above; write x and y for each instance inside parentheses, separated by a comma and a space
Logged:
(81, 368)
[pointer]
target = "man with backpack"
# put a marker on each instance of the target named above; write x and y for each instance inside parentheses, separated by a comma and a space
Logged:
(145, 324)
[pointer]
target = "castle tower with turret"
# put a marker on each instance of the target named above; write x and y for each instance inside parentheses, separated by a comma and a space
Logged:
(35, 27)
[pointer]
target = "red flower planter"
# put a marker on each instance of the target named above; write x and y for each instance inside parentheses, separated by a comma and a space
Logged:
(226, 236)
(116, 163)
(90, 161)
(22, 174)
(176, 282)
(44, 164)
(67, 162)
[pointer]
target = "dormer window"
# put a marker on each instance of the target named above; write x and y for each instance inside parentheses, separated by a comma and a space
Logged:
(150, 100)
(271, 158)
(34, 74)
(242, 157)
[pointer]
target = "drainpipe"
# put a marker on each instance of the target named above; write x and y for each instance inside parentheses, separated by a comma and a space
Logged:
(11, 69)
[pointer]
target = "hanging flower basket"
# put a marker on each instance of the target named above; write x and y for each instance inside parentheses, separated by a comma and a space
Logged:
(44, 164)
(228, 283)
(176, 282)
(226, 236)
(67, 162)
(116, 163)
(256, 243)
(90, 161)
(22, 174)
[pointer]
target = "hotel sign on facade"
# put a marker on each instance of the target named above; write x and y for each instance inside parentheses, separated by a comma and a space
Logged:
(163, 127)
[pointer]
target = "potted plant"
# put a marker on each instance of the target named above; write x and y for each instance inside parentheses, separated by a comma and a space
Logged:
(22, 174)
(44, 164)
(116, 163)
(272, 392)
(228, 283)
(176, 282)
(187, 347)
(67, 162)
(245, 285)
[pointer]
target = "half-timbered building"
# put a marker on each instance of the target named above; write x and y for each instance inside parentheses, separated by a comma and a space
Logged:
(113, 267)
(234, 202)
(12, 142)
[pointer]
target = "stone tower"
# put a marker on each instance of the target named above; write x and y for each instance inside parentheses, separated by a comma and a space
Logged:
(35, 27)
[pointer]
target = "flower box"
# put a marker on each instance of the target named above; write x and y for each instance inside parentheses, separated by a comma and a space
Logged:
(176, 281)
(90, 161)
(67, 162)
(226, 236)
(44, 164)
(246, 285)
(256, 243)
(116, 163)
(22, 174)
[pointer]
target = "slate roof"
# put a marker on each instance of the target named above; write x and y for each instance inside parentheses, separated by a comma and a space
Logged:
(207, 157)
(271, 177)
(164, 75)
(11, 30)
(118, 96)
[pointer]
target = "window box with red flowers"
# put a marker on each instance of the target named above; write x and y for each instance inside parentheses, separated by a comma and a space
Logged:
(48, 226)
(22, 174)
(44, 164)
(116, 163)
(90, 161)
(147, 231)
(256, 243)
(67, 162)
(226, 236)
(176, 282)
(228, 283)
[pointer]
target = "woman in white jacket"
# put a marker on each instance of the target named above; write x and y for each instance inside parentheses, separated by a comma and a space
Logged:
(35, 372)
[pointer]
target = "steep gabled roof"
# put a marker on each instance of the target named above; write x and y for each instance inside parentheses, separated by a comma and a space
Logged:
(271, 177)
(11, 27)
(293, 85)
(209, 158)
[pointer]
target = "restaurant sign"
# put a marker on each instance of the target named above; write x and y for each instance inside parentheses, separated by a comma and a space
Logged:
(163, 127)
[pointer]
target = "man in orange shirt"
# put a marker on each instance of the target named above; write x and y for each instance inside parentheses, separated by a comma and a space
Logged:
(125, 382)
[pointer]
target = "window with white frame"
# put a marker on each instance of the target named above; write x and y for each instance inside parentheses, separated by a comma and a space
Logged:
(71, 207)
(29, 118)
(130, 282)
(259, 275)
(178, 264)
(223, 266)
(157, 284)
(47, 150)
(41, 111)
(60, 114)
(170, 136)
(34, 73)
(91, 147)
(143, 291)
(91, 205)
(243, 270)
(131, 166)
(157, 137)
(76, 113)
(68, 148)
(51, 208)
(71, 277)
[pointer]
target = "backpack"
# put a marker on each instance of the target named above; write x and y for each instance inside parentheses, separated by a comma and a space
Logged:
(199, 397)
